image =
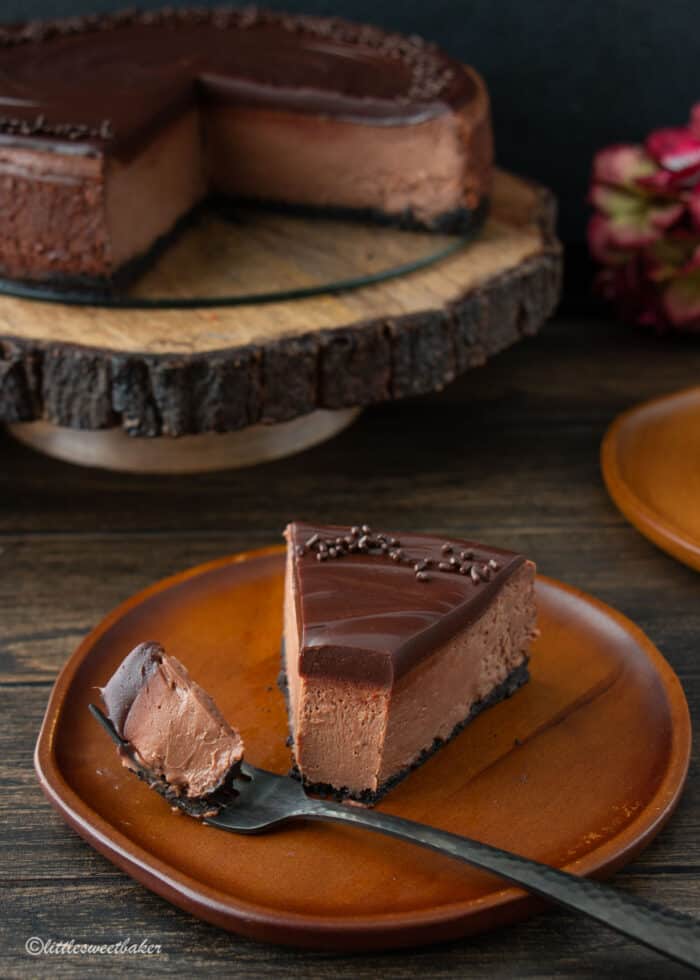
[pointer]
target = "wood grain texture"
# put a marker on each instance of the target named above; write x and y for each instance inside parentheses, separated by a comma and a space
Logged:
(177, 372)
(509, 453)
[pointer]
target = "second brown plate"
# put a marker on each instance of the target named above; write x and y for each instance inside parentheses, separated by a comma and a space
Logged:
(580, 769)
(650, 459)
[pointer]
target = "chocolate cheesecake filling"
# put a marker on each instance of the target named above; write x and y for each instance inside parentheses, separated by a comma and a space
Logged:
(391, 644)
(174, 729)
(106, 118)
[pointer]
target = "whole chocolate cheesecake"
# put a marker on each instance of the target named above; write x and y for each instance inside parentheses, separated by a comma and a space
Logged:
(114, 127)
(392, 643)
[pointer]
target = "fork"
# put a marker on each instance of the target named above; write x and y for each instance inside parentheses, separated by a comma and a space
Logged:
(258, 801)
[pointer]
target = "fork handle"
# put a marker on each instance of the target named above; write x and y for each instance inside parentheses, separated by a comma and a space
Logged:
(669, 932)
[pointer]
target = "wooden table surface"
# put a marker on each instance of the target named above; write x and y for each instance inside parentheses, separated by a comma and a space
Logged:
(508, 454)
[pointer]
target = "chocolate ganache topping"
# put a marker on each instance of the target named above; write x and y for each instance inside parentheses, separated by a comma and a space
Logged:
(372, 604)
(110, 79)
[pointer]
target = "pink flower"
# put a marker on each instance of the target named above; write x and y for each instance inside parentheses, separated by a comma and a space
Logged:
(645, 230)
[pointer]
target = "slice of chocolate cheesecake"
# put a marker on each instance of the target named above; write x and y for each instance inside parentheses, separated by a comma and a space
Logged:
(113, 127)
(175, 736)
(392, 643)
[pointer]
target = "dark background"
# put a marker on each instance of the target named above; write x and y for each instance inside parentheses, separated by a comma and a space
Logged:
(565, 78)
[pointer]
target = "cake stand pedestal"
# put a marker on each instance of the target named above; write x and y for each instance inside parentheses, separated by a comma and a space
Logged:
(184, 390)
(114, 449)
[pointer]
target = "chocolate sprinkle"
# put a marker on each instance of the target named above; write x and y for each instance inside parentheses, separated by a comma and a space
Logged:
(379, 545)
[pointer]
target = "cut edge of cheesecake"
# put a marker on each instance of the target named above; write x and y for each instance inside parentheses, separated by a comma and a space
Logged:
(367, 708)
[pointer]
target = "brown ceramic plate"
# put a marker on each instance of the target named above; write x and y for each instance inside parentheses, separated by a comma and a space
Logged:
(651, 466)
(580, 769)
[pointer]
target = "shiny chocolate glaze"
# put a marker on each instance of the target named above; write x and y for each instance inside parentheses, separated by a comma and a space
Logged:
(110, 80)
(125, 683)
(368, 617)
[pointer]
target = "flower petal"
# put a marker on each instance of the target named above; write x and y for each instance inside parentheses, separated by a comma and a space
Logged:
(633, 220)
(668, 256)
(661, 182)
(614, 202)
(622, 165)
(676, 149)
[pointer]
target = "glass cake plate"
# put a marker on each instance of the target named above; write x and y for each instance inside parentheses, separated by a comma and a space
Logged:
(241, 255)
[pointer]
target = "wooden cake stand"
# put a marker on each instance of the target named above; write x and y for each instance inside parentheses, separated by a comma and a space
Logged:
(238, 385)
